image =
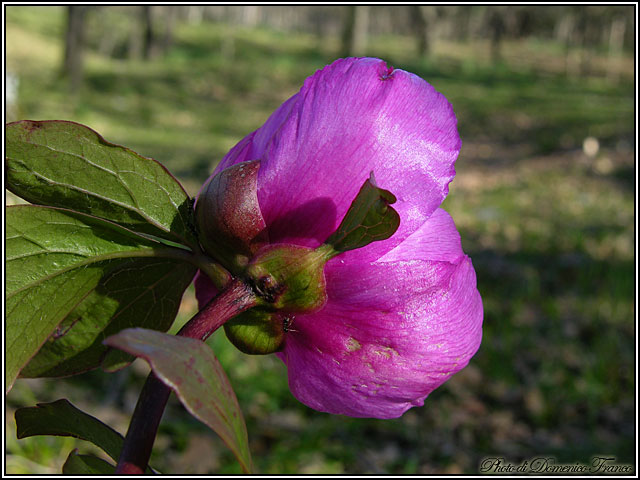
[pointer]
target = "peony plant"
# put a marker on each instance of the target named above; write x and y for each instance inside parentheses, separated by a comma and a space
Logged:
(318, 238)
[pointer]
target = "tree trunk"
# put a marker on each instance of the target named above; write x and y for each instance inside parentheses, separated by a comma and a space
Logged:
(462, 19)
(150, 41)
(421, 22)
(74, 39)
(565, 34)
(170, 18)
(195, 14)
(250, 15)
(355, 32)
(588, 35)
(616, 44)
(135, 39)
(497, 27)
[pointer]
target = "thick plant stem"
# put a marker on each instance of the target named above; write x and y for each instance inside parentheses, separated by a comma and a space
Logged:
(235, 299)
(143, 427)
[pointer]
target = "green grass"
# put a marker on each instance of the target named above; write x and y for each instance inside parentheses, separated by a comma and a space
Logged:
(550, 231)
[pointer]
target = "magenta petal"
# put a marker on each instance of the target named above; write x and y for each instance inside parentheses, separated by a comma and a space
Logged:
(389, 335)
(350, 118)
(205, 289)
(254, 145)
(353, 117)
(436, 239)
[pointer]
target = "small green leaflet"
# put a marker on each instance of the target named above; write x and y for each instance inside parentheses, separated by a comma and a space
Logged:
(61, 418)
(369, 219)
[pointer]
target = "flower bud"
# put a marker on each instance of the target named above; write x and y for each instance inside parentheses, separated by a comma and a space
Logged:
(257, 331)
(290, 278)
(230, 225)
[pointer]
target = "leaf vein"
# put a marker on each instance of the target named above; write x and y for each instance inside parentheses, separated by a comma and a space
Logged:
(104, 198)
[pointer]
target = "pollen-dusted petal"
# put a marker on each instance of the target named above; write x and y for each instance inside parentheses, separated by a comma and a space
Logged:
(388, 336)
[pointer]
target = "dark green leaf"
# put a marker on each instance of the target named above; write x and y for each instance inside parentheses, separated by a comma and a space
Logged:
(65, 164)
(115, 360)
(191, 369)
(66, 272)
(86, 465)
(369, 219)
(61, 418)
(143, 292)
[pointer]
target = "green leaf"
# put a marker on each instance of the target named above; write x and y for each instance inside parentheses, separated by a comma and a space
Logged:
(70, 276)
(369, 219)
(190, 368)
(65, 164)
(61, 418)
(138, 292)
(86, 465)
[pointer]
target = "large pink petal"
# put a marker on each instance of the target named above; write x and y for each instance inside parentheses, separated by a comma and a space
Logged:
(353, 117)
(389, 335)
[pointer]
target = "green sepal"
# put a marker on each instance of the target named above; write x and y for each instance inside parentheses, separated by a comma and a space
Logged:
(290, 278)
(369, 219)
(257, 331)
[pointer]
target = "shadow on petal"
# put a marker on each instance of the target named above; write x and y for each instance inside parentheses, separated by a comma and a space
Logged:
(308, 225)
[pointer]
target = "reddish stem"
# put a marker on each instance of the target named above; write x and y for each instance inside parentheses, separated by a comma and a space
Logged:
(138, 443)
(233, 300)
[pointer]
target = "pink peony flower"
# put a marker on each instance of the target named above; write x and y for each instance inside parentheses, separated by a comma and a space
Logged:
(402, 315)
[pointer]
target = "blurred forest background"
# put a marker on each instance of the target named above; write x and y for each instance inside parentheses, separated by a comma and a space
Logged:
(544, 201)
